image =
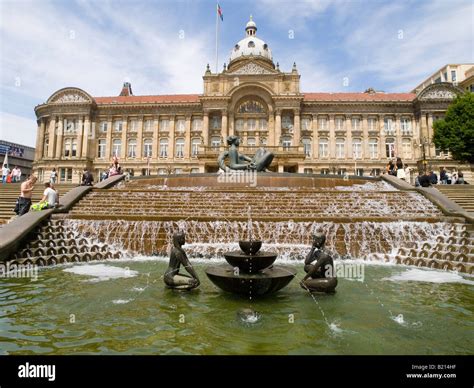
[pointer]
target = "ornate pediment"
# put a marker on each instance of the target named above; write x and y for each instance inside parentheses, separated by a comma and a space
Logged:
(70, 95)
(252, 68)
(443, 91)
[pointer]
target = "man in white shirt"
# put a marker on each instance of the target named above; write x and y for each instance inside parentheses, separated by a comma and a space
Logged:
(5, 173)
(50, 195)
(16, 174)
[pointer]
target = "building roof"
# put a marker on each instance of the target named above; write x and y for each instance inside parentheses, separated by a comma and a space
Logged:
(165, 98)
(359, 96)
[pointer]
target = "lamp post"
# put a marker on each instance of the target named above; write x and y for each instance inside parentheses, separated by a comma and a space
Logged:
(423, 143)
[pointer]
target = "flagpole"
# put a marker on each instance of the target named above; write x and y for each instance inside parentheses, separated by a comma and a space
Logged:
(217, 34)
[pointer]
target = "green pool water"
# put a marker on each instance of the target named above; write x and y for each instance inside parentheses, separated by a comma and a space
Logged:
(69, 313)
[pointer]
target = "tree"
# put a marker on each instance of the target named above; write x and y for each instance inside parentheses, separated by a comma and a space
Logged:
(456, 131)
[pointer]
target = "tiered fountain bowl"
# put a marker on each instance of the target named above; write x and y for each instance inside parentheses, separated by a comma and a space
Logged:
(250, 272)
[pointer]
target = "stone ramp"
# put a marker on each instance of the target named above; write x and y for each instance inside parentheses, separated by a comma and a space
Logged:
(11, 191)
(463, 195)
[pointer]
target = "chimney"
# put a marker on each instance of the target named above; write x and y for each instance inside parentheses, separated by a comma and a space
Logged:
(127, 89)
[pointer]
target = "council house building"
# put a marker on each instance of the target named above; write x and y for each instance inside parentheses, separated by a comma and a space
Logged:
(309, 132)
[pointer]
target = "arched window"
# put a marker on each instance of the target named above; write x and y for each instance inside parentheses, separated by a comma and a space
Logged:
(323, 148)
(180, 148)
(251, 106)
(132, 148)
(251, 44)
(340, 145)
(357, 148)
(67, 147)
(195, 143)
(390, 147)
(147, 148)
(74, 147)
(163, 148)
(373, 148)
(117, 147)
(306, 146)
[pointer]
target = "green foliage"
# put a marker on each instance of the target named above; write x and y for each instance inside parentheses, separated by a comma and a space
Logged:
(456, 131)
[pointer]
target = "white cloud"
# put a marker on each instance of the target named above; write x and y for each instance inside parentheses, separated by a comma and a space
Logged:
(17, 129)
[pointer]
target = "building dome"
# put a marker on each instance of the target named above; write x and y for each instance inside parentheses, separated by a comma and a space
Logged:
(251, 45)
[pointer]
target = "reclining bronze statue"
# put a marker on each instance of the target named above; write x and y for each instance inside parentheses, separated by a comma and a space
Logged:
(260, 162)
(320, 276)
(174, 279)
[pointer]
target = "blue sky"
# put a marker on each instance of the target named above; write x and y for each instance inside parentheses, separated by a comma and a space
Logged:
(162, 47)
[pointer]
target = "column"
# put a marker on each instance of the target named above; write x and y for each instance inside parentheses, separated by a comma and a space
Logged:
(108, 141)
(205, 129)
(332, 138)
(58, 138)
(123, 153)
(80, 136)
(155, 151)
(297, 128)
(187, 138)
(52, 137)
(40, 139)
(416, 136)
(224, 129)
(382, 154)
(231, 123)
(398, 136)
(277, 127)
(271, 129)
(87, 130)
(314, 129)
(430, 148)
(349, 154)
(140, 139)
(365, 137)
(171, 138)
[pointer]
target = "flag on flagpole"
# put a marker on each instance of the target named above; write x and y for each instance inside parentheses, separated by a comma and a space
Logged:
(219, 12)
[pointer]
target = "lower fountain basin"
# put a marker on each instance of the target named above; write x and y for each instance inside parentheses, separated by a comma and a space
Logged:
(250, 264)
(266, 282)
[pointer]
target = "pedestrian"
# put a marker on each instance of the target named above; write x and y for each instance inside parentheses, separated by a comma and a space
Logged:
(460, 180)
(24, 201)
(52, 176)
(50, 196)
(408, 174)
(399, 169)
(454, 177)
(390, 168)
(87, 178)
(424, 179)
(5, 173)
(443, 176)
(433, 178)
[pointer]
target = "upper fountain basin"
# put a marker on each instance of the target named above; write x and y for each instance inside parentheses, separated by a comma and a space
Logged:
(250, 263)
(250, 247)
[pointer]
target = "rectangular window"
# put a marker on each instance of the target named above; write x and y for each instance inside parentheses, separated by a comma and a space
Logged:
(339, 124)
(148, 125)
(445, 76)
(147, 149)
(164, 125)
(373, 149)
(239, 125)
(453, 75)
(103, 126)
(388, 125)
(405, 125)
(323, 123)
(101, 148)
(118, 126)
(197, 124)
(307, 147)
(163, 149)
(355, 124)
(325, 171)
(308, 171)
(356, 149)
(262, 124)
(132, 149)
(133, 125)
(390, 149)
(65, 174)
(372, 124)
(180, 125)
(359, 172)
(286, 144)
(306, 124)
(251, 125)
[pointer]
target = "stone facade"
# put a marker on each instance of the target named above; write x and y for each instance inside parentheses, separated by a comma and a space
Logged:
(324, 133)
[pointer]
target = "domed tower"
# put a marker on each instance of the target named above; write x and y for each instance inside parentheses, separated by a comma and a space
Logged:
(250, 47)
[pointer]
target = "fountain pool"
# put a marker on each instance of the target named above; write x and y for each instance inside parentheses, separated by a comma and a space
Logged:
(122, 307)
